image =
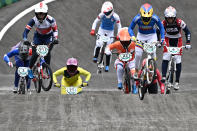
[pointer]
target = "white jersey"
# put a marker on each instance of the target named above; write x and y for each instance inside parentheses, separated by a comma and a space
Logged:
(48, 26)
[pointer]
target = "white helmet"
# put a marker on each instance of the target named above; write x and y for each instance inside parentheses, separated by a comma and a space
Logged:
(41, 8)
(170, 12)
(107, 9)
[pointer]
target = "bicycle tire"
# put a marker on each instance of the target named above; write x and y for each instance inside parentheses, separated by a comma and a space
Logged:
(141, 87)
(22, 87)
(170, 77)
(37, 80)
(151, 62)
(102, 53)
(46, 67)
(127, 82)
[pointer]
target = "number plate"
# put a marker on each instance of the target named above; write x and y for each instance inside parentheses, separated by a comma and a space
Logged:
(42, 50)
(173, 50)
(104, 38)
(125, 56)
(149, 47)
(23, 71)
(70, 90)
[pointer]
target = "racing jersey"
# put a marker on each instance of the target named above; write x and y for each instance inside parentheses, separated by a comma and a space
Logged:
(146, 29)
(47, 27)
(15, 53)
(71, 79)
(175, 30)
(120, 49)
(107, 23)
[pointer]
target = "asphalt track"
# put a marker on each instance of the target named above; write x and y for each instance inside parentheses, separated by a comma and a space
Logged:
(101, 107)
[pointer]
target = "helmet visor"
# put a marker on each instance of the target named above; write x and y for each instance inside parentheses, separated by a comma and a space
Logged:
(71, 68)
(146, 19)
(41, 15)
(170, 20)
(125, 44)
(108, 13)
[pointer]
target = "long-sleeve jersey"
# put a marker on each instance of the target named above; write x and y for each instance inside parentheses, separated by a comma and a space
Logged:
(175, 30)
(15, 53)
(146, 29)
(107, 23)
(118, 46)
(48, 26)
(71, 79)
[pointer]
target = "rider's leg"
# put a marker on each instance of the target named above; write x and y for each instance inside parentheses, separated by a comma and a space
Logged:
(138, 56)
(107, 63)
(28, 81)
(178, 71)
(19, 63)
(48, 57)
(16, 81)
(131, 66)
(166, 58)
(32, 62)
(119, 71)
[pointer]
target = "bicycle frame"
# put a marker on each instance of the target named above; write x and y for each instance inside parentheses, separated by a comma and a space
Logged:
(125, 58)
(22, 72)
(103, 39)
(150, 49)
(171, 66)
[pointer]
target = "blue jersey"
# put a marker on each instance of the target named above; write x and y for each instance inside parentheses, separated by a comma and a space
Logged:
(146, 29)
(15, 53)
(10, 54)
(107, 23)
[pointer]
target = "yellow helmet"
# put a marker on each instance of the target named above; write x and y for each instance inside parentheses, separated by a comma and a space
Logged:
(146, 12)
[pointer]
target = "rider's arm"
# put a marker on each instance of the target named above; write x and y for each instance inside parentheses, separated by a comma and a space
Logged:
(28, 28)
(85, 73)
(54, 27)
(111, 47)
(96, 21)
(161, 27)
(10, 54)
(58, 73)
(118, 23)
(186, 30)
(132, 25)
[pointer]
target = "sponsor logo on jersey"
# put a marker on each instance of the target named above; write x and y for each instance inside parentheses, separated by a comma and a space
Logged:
(171, 29)
(146, 27)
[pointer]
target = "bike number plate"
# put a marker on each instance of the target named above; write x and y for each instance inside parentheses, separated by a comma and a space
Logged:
(70, 90)
(125, 56)
(149, 48)
(23, 71)
(42, 50)
(104, 38)
(173, 50)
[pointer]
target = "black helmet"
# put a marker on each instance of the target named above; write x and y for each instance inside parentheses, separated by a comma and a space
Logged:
(23, 51)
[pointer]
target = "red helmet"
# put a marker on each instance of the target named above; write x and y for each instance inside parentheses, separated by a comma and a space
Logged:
(72, 65)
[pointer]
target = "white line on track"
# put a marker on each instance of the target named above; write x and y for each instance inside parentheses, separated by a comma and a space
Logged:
(19, 16)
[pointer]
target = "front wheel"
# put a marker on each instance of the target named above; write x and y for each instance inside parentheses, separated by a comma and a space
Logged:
(47, 77)
(37, 80)
(151, 71)
(141, 87)
(22, 87)
(127, 82)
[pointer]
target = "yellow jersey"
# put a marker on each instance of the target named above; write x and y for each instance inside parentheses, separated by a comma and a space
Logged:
(71, 79)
